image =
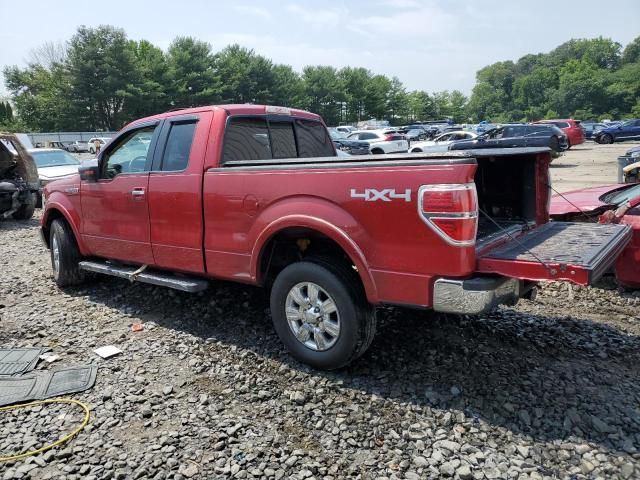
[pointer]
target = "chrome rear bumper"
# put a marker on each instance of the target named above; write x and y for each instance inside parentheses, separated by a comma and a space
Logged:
(475, 295)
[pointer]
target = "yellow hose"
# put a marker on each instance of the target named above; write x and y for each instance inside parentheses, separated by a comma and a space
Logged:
(84, 406)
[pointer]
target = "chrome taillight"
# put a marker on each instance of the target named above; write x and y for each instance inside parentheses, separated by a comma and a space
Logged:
(451, 210)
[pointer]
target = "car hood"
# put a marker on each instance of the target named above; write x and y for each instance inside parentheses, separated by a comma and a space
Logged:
(585, 200)
(632, 150)
(56, 172)
(352, 143)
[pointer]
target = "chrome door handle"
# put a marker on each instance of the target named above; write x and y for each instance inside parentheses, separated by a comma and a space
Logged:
(138, 193)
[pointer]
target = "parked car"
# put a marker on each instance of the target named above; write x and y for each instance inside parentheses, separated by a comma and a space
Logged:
(52, 164)
(629, 130)
(91, 147)
(18, 179)
(382, 141)
(347, 129)
(590, 129)
(608, 204)
(571, 128)
(77, 146)
(517, 135)
(347, 145)
(415, 134)
(441, 142)
(331, 239)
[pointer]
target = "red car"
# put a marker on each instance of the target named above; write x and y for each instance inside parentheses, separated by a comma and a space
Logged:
(256, 194)
(607, 204)
(572, 128)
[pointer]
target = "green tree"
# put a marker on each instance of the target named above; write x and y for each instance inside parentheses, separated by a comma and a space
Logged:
(631, 53)
(102, 71)
(323, 92)
(149, 83)
(192, 78)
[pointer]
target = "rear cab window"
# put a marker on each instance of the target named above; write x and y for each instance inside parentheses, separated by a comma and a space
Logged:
(264, 138)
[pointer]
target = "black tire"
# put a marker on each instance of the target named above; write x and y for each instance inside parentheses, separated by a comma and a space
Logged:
(357, 317)
(25, 212)
(416, 150)
(607, 139)
(568, 144)
(377, 151)
(554, 144)
(66, 272)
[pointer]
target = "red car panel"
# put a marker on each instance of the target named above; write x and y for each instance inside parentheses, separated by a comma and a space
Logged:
(578, 203)
(574, 132)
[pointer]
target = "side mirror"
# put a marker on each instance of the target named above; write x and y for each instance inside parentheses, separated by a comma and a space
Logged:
(89, 171)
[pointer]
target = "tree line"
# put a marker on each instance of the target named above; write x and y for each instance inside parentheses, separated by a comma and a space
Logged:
(100, 80)
(587, 79)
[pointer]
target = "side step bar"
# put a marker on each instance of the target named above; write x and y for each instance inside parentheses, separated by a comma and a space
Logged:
(163, 279)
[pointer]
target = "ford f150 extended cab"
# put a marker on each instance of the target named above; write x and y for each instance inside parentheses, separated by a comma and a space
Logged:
(255, 194)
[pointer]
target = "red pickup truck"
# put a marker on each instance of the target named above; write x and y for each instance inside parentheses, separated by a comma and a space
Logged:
(256, 194)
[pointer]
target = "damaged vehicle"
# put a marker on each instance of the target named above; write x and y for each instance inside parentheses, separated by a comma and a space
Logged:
(18, 179)
(607, 204)
(256, 194)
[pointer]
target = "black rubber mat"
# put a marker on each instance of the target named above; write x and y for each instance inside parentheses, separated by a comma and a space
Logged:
(14, 361)
(46, 384)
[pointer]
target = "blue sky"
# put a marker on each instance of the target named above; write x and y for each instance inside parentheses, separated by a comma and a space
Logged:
(429, 44)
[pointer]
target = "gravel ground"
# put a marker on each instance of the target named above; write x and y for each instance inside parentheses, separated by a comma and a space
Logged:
(549, 389)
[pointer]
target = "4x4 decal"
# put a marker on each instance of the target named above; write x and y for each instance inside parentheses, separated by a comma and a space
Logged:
(385, 195)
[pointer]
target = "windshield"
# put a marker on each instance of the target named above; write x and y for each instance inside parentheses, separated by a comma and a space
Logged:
(337, 135)
(621, 196)
(54, 158)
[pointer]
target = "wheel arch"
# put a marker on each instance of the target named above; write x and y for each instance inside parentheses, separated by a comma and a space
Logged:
(54, 212)
(314, 233)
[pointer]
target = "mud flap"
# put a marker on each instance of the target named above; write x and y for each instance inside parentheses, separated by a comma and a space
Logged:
(578, 252)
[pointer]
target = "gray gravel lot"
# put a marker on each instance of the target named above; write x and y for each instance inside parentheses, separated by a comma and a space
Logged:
(548, 389)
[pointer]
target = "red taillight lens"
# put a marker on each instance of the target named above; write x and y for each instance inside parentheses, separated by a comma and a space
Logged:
(448, 201)
(451, 210)
(458, 229)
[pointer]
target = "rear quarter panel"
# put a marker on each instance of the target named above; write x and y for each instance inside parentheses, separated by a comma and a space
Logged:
(396, 253)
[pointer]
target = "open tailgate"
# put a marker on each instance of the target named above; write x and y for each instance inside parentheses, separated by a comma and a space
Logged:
(578, 252)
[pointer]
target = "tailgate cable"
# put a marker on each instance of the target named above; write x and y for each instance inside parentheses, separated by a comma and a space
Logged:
(551, 271)
(570, 203)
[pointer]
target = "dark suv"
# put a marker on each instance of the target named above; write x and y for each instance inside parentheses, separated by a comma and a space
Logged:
(517, 135)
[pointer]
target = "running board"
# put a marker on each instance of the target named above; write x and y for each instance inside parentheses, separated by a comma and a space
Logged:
(163, 279)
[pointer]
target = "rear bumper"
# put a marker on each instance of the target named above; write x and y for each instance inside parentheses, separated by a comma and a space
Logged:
(475, 295)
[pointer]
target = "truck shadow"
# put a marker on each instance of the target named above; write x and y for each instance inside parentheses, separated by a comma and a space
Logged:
(9, 224)
(550, 378)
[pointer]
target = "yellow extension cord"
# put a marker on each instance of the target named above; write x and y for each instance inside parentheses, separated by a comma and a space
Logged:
(67, 437)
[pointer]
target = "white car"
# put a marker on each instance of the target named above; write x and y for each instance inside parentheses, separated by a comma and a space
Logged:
(91, 143)
(441, 142)
(382, 141)
(346, 129)
(53, 164)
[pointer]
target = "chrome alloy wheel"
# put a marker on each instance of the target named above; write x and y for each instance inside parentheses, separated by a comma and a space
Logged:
(313, 316)
(55, 250)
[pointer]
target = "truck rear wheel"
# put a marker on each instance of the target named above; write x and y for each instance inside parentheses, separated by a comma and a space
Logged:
(321, 314)
(65, 255)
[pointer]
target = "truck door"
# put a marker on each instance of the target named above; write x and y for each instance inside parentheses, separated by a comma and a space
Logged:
(175, 192)
(115, 208)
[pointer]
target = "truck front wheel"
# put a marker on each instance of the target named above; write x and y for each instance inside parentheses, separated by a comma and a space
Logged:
(65, 255)
(321, 314)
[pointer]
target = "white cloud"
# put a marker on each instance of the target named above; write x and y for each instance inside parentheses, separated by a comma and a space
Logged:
(253, 10)
(321, 17)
